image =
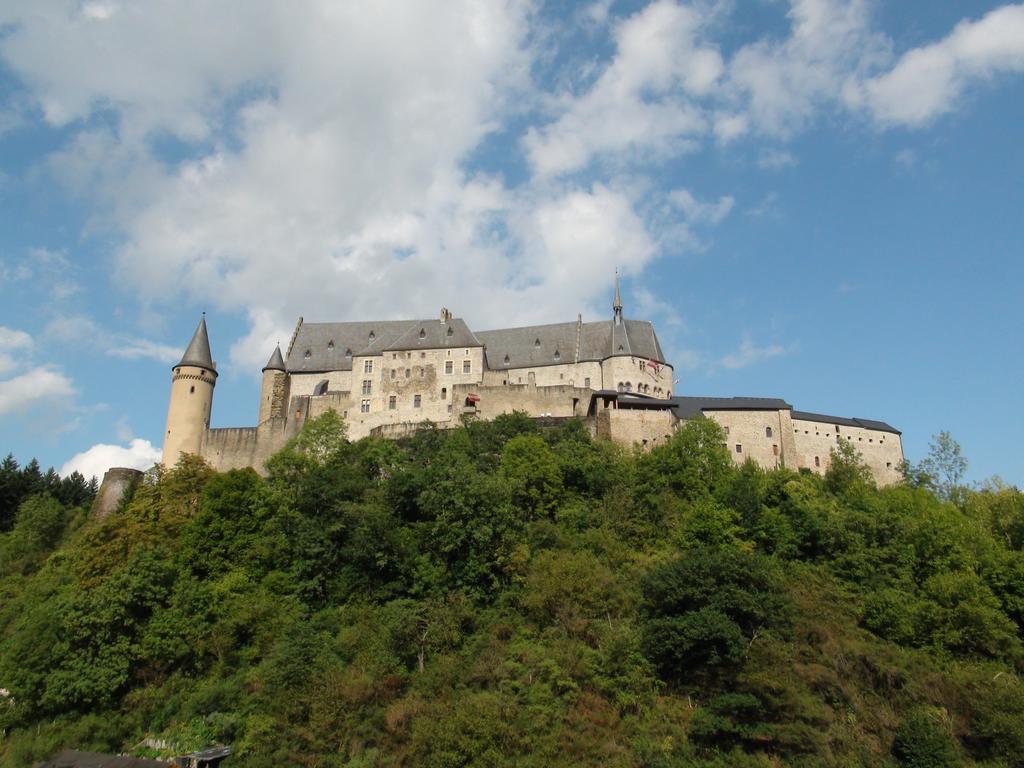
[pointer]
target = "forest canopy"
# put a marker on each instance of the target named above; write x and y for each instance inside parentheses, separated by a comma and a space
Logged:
(502, 595)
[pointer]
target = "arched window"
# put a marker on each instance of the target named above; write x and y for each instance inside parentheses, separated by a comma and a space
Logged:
(629, 386)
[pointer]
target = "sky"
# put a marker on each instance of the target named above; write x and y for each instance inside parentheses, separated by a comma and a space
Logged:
(820, 200)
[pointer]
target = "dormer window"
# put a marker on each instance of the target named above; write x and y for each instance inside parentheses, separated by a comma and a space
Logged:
(558, 356)
(348, 353)
(372, 336)
(307, 354)
(423, 333)
(507, 360)
(536, 343)
(450, 331)
(620, 348)
(330, 344)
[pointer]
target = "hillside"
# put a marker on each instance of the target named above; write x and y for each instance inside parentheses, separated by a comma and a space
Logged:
(499, 596)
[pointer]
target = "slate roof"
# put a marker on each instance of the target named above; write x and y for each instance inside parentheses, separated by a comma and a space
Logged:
(276, 362)
(537, 345)
(880, 426)
(331, 346)
(689, 407)
(198, 352)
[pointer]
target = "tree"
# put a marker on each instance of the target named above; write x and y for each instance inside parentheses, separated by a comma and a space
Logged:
(946, 466)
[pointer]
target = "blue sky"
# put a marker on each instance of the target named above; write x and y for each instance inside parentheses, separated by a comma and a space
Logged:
(816, 200)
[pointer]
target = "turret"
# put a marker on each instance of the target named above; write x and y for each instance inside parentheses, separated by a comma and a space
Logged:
(617, 302)
(274, 392)
(188, 413)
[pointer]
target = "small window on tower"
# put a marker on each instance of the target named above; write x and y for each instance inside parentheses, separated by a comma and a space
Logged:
(191, 389)
(416, 400)
(817, 461)
(767, 431)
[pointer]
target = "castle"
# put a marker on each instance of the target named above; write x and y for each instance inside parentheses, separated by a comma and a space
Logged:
(387, 377)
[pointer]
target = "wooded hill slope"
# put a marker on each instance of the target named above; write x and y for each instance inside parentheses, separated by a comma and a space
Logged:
(497, 596)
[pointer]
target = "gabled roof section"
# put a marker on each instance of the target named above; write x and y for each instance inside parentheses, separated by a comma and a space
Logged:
(276, 362)
(198, 352)
(691, 407)
(535, 345)
(331, 346)
(843, 421)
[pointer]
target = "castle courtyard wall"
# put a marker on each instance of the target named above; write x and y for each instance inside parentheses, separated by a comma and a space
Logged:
(642, 428)
(882, 451)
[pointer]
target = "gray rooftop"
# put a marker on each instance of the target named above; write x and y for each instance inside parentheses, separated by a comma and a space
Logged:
(276, 361)
(331, 346)
(689, 407)
(198, 352)
(843, 421)
(537, 345)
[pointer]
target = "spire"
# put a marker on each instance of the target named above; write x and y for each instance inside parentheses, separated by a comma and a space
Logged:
(198, 352)
(276, 362)
(617, 304)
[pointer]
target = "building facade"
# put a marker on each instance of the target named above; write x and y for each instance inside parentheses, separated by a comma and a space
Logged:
(386, 378)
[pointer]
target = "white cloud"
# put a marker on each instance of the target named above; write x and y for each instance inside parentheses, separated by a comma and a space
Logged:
(929, 81)
(83, 330)
(11, 342)
(32, 387)
(748, 354)
(774, 159)
(641, 102)
(696, 211)
(94, 462)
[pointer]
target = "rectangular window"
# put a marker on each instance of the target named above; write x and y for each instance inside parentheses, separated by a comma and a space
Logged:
(739, 448)
(775, 450)
(817, 461)
(444, 393)
(367, 366)
(727, 430)
(416, 400)
(467, 366)
(364, 406)
(367, 386)
(449, 366)
(586, 383)
(408, 372)
(392, 373)
(392, 403)
(767, 431)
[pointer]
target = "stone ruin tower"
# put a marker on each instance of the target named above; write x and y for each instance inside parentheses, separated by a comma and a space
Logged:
(188, 413)
(274, 390)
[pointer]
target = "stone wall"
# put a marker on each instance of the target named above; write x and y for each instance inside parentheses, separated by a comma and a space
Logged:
(240, 447)
(628, 426)
(117, 481)
(639, 374)
(881, 451)
(766, 437)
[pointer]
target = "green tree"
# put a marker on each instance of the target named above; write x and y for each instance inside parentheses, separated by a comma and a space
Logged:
(946, 466)
(923, 742)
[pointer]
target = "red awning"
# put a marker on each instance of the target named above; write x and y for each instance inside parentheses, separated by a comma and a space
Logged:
(472, 398)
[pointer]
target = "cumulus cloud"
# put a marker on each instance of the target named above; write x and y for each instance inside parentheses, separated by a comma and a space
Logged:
(323, 155)
(929, 81)
(32, 387)
(697, 211)
(94, 462)
(642, 101)
(748, 354)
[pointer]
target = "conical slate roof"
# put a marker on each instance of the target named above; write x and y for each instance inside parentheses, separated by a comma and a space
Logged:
(276, 362)
(198, 352)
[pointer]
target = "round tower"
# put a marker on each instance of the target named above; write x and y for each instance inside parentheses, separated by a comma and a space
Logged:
(188, 413)
(274, 392)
